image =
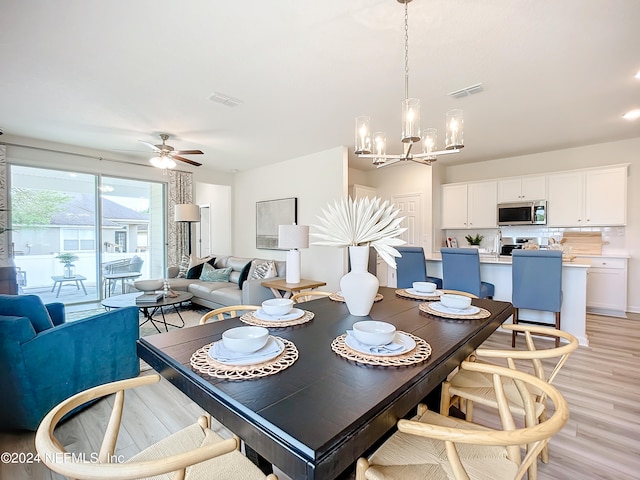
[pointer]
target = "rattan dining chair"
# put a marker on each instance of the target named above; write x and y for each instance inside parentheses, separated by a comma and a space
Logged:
(465, 388)
(431, 445)
(223, 313)
(310, 295)
(195, 452)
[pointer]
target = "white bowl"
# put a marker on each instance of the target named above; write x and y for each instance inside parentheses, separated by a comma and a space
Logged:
(371, 332)
(245, 339)
(452, 300)
(424, 287)
(148, 285)
(277, 306)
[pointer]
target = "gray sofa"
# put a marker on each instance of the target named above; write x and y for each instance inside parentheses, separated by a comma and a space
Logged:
(223, 294)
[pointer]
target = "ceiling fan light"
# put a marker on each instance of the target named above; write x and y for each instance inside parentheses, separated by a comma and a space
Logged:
(632, 114)
(163, 162)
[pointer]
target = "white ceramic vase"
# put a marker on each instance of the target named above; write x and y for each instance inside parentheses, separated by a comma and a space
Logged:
(359, 287)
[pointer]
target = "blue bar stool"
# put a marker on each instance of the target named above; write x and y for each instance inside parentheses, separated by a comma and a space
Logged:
(461, 271)
(411, 267)
(537, 285)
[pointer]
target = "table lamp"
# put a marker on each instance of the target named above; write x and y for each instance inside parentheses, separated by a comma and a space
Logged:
(189, 213)
(293, 237)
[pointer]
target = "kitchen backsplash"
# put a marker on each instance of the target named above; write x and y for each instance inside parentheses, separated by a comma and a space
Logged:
(614, 237)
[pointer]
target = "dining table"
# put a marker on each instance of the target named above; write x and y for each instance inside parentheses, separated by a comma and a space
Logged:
(316, 417)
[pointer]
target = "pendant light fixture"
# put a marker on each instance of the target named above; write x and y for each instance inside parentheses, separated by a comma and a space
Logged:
(375, 148)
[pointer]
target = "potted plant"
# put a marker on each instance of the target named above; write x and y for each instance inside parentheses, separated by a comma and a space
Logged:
(474, 241)
(360, 224)
(67, 259)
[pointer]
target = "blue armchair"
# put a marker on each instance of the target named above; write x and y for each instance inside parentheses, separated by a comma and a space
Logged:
(44, 360)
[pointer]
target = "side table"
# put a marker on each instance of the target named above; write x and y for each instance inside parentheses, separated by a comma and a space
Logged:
(282, 289)
(77, 279)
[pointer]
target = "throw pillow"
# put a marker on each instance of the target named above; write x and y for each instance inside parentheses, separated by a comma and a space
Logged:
(29, 306)
(244, 274)
(263, 269)
(196, 270)
(211, 274)
(184, 266)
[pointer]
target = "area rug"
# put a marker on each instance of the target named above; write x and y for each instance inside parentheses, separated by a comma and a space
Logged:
(190, 313)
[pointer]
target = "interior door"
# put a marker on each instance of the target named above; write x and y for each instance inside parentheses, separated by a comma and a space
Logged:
(410, 206)
(203, 232)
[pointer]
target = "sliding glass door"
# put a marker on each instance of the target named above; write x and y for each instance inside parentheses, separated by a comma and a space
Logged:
(68, 229)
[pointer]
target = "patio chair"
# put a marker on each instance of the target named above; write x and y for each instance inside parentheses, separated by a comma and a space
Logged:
(195, 452)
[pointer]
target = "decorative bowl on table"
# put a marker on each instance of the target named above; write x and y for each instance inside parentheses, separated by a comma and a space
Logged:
(451, 300)
(425, 287)
(371, 332)
(148, 286)
(277, 306)
(245, 339)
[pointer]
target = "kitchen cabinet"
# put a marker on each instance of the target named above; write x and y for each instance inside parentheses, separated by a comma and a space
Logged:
(595, 197)
(607, 286)
(469, 205)
(522, 189)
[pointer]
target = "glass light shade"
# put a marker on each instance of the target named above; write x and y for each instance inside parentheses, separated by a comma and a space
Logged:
(410, 120)
(163, 162)
(455, 124)
(379, 147)
(363, 135)
(293, 236)
(429, 142)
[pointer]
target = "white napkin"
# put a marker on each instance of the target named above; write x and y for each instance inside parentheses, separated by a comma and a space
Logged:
(393, 346)
(221, 353)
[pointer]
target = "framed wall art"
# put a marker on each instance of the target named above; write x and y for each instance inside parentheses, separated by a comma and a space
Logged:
(269, 215)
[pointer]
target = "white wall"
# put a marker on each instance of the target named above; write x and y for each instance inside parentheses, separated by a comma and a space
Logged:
(627, 151)
(315, 180)
(218, 197)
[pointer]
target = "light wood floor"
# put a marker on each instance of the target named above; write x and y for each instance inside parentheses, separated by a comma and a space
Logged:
(601, 383)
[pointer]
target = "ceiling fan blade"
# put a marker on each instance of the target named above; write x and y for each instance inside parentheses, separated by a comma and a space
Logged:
(150, 145)
(185, 160)
(188, 152)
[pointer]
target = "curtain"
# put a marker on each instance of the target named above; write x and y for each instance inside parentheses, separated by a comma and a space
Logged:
(180, 191)
(4, 205)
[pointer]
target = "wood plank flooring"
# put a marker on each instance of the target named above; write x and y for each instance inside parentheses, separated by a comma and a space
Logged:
(601, 384)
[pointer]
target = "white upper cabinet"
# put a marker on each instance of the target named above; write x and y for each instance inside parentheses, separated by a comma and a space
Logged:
(588, 198)
(471, 205)
(522, 189)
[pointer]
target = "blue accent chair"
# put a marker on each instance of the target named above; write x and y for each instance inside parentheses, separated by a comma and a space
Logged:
(411, 267)
(45, 360)
(461, 271)
(536, 285)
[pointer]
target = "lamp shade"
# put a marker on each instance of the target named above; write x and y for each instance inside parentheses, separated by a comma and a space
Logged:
(293, 236)
(187, 212)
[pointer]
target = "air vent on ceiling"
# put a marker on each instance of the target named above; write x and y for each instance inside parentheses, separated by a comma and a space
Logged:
(463, 92)
(225, 99)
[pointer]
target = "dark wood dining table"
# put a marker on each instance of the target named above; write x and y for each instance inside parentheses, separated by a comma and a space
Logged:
(316, 417)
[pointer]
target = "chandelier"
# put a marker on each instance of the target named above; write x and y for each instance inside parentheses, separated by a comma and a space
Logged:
(375, 147)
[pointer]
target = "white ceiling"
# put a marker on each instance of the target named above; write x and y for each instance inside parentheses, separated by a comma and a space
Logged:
(556, 73)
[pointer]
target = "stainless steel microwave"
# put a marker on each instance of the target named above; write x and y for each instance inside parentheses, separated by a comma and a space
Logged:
(523, 213)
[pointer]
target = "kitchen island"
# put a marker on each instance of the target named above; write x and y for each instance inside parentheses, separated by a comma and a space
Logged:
(497, 270)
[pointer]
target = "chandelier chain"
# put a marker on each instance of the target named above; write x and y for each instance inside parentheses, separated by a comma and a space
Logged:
(406, 49)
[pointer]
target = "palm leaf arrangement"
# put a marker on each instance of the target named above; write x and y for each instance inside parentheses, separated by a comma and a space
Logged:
(362, 221)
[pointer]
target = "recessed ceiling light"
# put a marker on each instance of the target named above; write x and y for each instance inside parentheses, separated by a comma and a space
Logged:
(632, 114)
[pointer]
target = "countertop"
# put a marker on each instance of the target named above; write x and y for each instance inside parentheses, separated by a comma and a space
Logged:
(490, 258)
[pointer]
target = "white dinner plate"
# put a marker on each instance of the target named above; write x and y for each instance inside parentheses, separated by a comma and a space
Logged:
(413, 291)
(439, 307)
(402, 338)
(271, 350)
(294, 314)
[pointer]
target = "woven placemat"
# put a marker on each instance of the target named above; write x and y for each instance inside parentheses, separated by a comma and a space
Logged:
(426, 308)
(339, 298)
(420, 353)
(203, 363)
(402, 292)
(250, 319)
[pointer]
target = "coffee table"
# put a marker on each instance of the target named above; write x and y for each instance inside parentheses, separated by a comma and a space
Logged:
(149, 309)
(77, 279)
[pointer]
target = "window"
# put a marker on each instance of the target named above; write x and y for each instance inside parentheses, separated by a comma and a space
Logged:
(77, 240)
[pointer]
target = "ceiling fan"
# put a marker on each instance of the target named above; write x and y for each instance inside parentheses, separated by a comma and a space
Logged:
(167, 154)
